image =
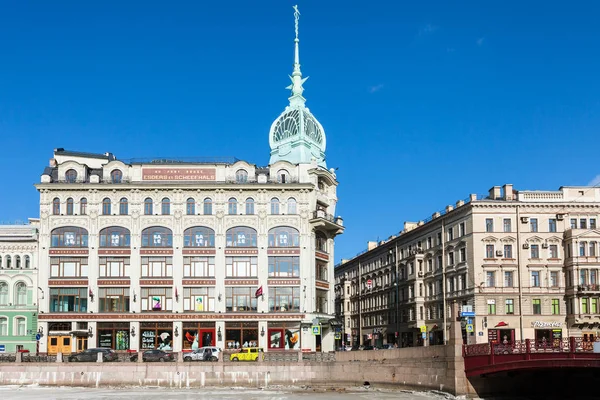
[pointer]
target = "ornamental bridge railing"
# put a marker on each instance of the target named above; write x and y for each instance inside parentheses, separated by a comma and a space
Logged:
(485, 358)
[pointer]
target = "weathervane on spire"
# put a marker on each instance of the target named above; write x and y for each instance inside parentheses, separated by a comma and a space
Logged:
(296, 77)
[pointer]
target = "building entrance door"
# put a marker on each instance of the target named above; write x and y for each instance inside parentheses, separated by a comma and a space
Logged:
(59, 344)
(82, 344)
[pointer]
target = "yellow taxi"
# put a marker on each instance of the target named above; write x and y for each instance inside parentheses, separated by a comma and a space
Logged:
(247, 354)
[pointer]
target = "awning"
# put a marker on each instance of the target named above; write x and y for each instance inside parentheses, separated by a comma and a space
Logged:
(335, 322)
(501, 323)
(79, 333)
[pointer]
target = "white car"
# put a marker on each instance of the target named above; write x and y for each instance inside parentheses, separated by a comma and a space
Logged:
(198, 355)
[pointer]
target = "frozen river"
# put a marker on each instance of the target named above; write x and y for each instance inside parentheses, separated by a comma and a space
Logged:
(70, 393)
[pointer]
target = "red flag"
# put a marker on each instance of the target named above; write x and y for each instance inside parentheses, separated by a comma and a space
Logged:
(259, 292)
(176, 293)
(91, 293)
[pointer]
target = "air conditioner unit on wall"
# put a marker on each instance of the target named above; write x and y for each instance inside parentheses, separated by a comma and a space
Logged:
(525, 245)
(498, 253)
(545, 246)
(524, 220)
(560, 217)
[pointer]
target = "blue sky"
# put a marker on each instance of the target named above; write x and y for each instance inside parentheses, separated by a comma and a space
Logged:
(422, 102)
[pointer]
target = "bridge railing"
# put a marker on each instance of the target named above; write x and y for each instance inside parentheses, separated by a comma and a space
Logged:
(530, 346)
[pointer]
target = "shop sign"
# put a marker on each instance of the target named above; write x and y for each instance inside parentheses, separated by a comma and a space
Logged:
(544, 324)
(2, 348)
(178, 174)
(423, 328)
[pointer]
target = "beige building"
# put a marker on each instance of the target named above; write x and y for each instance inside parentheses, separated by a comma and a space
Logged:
(179, 254)
(522, 264)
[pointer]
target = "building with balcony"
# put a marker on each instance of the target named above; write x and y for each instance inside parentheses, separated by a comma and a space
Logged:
(179, 254)
(18, 287)
(521, 264)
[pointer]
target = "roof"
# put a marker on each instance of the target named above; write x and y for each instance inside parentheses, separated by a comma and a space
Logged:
(63, 152)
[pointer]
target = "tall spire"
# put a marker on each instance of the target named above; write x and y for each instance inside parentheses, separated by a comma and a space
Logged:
(296, 77)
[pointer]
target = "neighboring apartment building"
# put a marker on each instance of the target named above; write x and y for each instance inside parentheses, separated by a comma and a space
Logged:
(176, 254)
(18, 287)
(525, 262)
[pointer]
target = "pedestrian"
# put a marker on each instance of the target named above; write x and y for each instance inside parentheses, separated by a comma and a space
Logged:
(207, 354)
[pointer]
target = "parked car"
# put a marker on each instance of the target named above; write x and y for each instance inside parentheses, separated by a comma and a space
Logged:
(199, 354)
(368, 348)
(247, 354)
(386, 346)
(91, 355)
(355, 348)
(154, 355)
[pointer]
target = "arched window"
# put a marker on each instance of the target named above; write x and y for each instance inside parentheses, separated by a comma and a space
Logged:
(291, 206)
(116, 176)
(3, 325)
(241, 236)
(69, 236)
(321, 242)
(157, 236)
(20, 326)
(207, 206)
(166, 206)
(592, 252)
(114, 236)
(275, 206)
(249, 206)
(241, 176)
(21, 294)
(582, 246)
(199, 236)
(106, 206)
(27, 262)
(70, 206)
(17, 262)
(71, 176)
(190, 206)
(284, 236)
(148, 206)
(8, 262)
(123, 206)
(283, 176)
(56, 206)
(3, 293)
(232, 206)
(83, 206)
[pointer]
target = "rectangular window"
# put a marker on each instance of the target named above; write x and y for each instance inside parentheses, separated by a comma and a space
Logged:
(491, 307)
(430, 265)
(594, 305)
(439, 262)
(68, 267)
(555, 307)
(582, 223)
(573, 223)
(510, 306)
(489, 225)
(554, 279)
(537, 306)
(157, 299)
(553, 250)
(451, 258)
(439, 238)
(113, 299)
(461, 229)
(113, 267)
(535, 278)
(552, 225)
(535, 251)
(584, 305)
(490, 278)
(157, 267)
(429, 242)
(592, 223)
(508, 251)
(198, 267)
(321, 272)
(508, 279)
(68, 300)
(582, 277)
(450, 233)
(241, 267)
(489, 251)
(284, 299)
(593, 276)
(507, 225)
(463, 254)
(199, 299)
(240, 299)
(533, 223)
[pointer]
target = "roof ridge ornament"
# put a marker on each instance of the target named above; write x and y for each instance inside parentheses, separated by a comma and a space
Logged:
(296, 99)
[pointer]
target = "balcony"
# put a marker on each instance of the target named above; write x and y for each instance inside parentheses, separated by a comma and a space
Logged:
(327, 222)
(589, 288)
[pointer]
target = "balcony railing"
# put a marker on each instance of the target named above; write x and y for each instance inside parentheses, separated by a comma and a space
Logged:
(589, 288)
(328, 217)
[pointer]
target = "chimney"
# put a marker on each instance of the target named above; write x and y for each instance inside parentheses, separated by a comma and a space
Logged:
(508, 191)
(472, 197)
(371, 245)
(495, 193)
(460, 203)
(449, 208)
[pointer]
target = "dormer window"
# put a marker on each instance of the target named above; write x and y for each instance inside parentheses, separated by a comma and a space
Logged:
(283, 176)
(71, 176)
(241, 176)
(116, 176)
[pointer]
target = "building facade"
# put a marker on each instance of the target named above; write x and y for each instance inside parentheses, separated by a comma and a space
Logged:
(19, 295)
(176, 255)
(521, 264)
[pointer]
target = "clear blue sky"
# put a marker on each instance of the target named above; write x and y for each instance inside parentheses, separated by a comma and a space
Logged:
(422, 102)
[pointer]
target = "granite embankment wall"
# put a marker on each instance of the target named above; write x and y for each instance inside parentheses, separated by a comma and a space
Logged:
(422, 367)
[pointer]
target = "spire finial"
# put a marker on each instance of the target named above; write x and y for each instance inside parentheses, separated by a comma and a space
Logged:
(296, 76)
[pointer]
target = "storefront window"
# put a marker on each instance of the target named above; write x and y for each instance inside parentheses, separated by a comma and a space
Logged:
(157, 267)
(241, 334)
(284, 336)
(241, 236)
(157, 299)
(113, 299)
(69, 236)
(284, 237)
(240, 299)
(114, 267)
(241, 267)
(157, 236)
(113, 335)
(284, 299)
(284, 266)
(198, 267)
(199, 299)
(68, 267)
(156, 335)
(199, 236)
(198, 334)
(68, 300)
(115, 236)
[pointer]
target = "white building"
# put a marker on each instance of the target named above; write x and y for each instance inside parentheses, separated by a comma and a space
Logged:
(174, 254)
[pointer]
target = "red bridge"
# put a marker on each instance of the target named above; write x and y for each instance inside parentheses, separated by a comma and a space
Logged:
(490, 358)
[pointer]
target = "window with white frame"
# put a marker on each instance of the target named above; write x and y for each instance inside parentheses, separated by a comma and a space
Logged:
(20, 326)
(207, 206)
(157, 299)
(553, 250)
(508, 279)
(198, 267)
(291, 206)
(68, 267)
(274, 206)
(199, 236)
(113, 267)
(232, 206)
(3, 326)
(284, 266)
(241, 176)
(241, 267)
(489, 251)
(3, 294)
(240, 236)
(249, 206)
(490, 278)
(508, 251)
(157, 267)
(535, 279)
(284, 236)
(199, 299)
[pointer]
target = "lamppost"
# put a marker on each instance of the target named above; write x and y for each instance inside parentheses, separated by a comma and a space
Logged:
(397, 284)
